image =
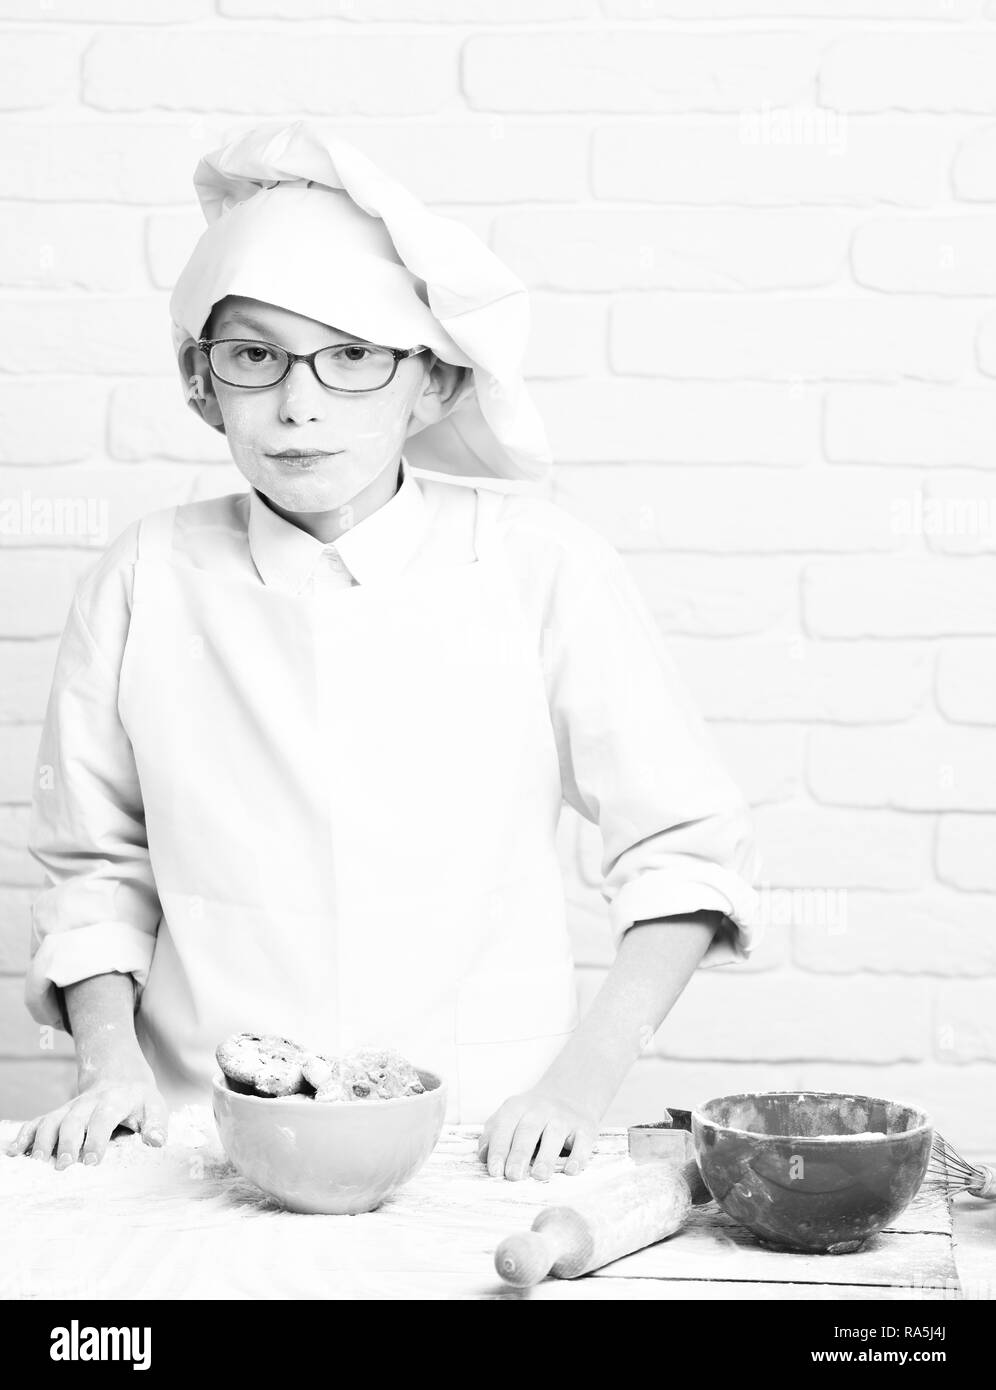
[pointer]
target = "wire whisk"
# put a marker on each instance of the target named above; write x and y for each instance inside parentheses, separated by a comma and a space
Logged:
(947, 1169)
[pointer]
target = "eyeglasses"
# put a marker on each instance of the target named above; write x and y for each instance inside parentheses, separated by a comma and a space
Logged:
(252, 365)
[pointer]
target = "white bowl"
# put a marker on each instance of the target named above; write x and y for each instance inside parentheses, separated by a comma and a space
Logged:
(325, 1157)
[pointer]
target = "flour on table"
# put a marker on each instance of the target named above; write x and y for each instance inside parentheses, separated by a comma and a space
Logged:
(191, 1143)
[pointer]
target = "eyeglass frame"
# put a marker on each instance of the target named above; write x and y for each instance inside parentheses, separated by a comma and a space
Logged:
(399, 355)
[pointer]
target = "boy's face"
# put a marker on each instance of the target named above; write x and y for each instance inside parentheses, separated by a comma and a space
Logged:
(363, 434)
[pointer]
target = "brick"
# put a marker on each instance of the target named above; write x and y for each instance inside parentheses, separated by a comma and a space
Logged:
(973, 172)
(605, 249)
(18, 751)
(729, 510)
(491, 161)
(966, 682)
(60, 506)
(965, 1021)
(28, 669)
(150, 418)
(566, 338)
(766, 763)
(986, 345)
(38, 69)
(480, 220)
(428, 12)
(792, 9)
(957, 514)
(782, 910)
(36, 589)
(789, 677)
(938, 932)
(29, 1089)
(109, 11)
(787, 1016)
(618, 70)
(17, 867)
(807, 846)
(716, 596)
(129, 334)
(169, 238)
(853, 161)
(900, 596)
(84, 506)
(20, 1035)
(653, 1084)
(98, 161)
(965, 857)
(71, 248)
(51, 420)
(210, 70)
(915, 423)
(678, 422)
(936, 255)
(908, 71)
(15, 929)
(789, 339)
(925, 765)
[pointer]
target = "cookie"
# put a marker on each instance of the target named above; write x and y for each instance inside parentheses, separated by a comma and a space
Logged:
(334, 1080)
(344, 1079)
(345, 1082)
(265, 1064)
(317, 1069)
(391, 1074)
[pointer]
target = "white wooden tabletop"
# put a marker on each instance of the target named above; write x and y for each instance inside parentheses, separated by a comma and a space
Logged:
(179, 1223)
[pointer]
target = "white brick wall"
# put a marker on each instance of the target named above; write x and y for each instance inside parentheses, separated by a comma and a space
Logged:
(761, 239)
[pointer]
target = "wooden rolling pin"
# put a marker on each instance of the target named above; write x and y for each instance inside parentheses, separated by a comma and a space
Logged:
(636, 1207)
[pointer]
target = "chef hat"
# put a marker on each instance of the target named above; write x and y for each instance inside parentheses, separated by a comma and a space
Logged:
(306, 222)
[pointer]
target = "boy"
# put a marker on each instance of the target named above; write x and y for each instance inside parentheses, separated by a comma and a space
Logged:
(307, 747)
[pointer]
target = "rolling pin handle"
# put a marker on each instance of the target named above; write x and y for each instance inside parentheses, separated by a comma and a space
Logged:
(525, 1258)
(985, 1183)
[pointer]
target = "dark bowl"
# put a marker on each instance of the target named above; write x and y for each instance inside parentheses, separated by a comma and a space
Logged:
(811, 1170)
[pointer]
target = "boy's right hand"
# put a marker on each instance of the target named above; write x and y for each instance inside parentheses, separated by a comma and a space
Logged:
(81, 1129)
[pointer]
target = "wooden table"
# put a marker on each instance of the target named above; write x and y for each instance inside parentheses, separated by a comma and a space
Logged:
(179, 1223)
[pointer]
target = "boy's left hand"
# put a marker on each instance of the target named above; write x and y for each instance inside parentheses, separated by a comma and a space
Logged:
(545, 1117)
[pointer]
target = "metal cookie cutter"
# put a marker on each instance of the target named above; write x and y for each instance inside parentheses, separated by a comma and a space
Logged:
(669, 1140)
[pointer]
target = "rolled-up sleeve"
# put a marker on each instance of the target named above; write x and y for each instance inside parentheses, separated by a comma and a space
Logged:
(638, 761)
(98, 911)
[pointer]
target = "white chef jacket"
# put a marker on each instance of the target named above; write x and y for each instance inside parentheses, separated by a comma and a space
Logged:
(313, 788)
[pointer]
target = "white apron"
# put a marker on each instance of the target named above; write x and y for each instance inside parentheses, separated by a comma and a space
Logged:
(351, 805)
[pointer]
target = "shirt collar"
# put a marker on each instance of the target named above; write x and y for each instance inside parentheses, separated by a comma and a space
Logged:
(376, 549)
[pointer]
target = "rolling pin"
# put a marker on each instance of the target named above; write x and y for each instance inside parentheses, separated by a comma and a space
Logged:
(639, 1206)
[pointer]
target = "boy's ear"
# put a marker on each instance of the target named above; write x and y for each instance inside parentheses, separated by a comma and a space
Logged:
(198, 384)
(444, 386)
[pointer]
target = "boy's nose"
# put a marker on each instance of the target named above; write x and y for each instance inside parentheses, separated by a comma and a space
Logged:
(302, 395)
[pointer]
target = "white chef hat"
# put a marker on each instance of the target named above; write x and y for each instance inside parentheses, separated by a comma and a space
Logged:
(307, 222)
